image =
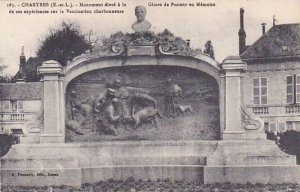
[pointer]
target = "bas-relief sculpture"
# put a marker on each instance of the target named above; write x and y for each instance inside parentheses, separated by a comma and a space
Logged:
(142, 103)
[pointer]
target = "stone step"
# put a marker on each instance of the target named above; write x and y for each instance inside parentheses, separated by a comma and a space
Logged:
(269, 160)
(50, 162)
(110, 149)
(64, 163)
(154, 160)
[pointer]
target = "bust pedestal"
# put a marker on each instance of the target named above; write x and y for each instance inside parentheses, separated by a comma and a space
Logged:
(53, 102)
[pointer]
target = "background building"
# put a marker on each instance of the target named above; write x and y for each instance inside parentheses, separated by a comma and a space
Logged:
(20, 101)
(272, 80)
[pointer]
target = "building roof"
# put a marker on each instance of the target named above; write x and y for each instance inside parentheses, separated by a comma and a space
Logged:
(29, 70)
(21, 91)
(279, 42)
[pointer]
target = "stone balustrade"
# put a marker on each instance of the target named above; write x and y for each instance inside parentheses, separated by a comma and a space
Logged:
(16, 117)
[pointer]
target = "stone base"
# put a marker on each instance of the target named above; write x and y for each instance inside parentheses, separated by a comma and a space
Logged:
(256, 136)
(233, 135)
(192, 161)
(92, 162)
(52, 138)
(249, 152)
(40, 172)
(41, 177)
(252, 174)
(32, 138)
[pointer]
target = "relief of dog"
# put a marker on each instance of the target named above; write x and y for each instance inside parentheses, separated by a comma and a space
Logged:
(147, 114)
(185, 109)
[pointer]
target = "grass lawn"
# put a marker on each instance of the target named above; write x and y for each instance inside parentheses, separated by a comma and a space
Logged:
(131, 185)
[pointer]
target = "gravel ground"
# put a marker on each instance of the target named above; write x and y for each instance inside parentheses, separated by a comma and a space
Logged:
(131, 185)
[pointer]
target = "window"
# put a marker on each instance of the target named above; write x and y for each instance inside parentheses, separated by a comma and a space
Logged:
(281, 127)
(293, 89)
(4, 106)
(267, 128)
(20, 106)
(260, 91)
(14, 106)
(293, 125)
(11, 106)
(289, 125)
(273, 127)
(278, 127)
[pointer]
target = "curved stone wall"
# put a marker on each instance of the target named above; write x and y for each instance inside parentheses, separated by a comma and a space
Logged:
(82, 66)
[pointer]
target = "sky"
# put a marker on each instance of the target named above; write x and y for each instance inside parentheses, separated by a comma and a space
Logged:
(220, 23)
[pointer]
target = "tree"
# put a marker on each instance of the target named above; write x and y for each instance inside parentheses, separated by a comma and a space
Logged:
(6, 141)
(64, 43)
(30, 69)
(4, 78)
(2, 66)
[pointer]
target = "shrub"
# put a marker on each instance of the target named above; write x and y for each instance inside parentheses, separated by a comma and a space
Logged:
(289, 142)
(6, 141)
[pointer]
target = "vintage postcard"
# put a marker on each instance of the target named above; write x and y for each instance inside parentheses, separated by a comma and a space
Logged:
(130, 95)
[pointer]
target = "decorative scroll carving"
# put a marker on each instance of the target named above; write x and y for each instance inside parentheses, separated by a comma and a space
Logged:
(250, 121)
(170, 44)
(117, 48)
(116, 44)
(34, 126)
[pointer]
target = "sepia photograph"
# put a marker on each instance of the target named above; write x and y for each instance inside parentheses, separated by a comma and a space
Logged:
(149, 96)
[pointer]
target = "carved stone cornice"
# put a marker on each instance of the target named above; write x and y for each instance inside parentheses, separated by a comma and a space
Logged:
(233, 64)
(165, 43)
(50, 67)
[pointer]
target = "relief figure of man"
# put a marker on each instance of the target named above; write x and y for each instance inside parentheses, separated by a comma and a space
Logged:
(108, 118)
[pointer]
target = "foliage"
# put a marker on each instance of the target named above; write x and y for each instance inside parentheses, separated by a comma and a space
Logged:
(167, 40)
(131, 185)
(289, 142)
(63, 44)
(31, 69)
(6, 141)
(2, 67)
(271, 135)
(4, 78)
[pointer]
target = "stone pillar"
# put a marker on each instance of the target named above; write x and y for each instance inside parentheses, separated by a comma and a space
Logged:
(222, 102)
(62, 105)
(233, 67)
(53, 102)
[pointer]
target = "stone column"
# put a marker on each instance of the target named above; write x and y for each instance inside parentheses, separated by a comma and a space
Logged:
(53, 102)
(233, 67)
(222, 102)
